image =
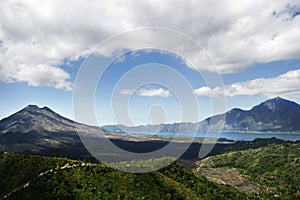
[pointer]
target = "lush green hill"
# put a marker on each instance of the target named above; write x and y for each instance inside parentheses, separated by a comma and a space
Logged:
(276, 167)
(34, 177)
(254, 144)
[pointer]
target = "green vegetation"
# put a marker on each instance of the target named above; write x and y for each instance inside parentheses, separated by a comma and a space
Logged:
(57, 178)
(140, 166)
(16, 170)
(257, 143)
(200, 185)
(276, 166)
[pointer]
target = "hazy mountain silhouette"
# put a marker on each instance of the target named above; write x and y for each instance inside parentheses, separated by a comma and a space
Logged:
(275, 114)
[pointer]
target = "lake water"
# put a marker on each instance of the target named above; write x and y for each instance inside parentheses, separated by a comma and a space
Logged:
(235, 135)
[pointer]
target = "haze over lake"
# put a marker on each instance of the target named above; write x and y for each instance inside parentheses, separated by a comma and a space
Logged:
(237, 136)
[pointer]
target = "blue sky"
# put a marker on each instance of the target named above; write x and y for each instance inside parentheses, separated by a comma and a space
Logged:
(255, 46)
(18, 95)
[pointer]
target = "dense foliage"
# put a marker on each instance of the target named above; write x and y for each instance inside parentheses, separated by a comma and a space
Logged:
(16, 170)
(257, 143)
(53, 178)
(275, 166)
(201, 185)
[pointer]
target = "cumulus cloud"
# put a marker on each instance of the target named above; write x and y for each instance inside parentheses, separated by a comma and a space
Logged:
(126, 92)
(39, 36)
(286, 85)
(154, 92)
(205, 91)
(157, 92)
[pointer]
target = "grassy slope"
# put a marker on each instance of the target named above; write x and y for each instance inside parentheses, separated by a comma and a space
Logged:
(276, 166)
(96, 181)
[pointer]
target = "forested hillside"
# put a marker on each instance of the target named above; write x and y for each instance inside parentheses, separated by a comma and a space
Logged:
(34, 177)
(276, 167)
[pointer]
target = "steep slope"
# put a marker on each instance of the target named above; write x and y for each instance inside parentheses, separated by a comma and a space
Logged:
(42, 131)
(272, 115)
(276, 167)
(34, 118)
(31, 177)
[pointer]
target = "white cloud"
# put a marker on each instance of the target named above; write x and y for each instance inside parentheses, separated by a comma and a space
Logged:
(285, 85)
(160, 92)
(39, 35)
(126, 92)
(157, 92)
(42, 75)
(204, 91)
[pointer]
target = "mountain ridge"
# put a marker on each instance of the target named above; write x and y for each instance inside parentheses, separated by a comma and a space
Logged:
(41, 131)
(27, 119)
(277, 114)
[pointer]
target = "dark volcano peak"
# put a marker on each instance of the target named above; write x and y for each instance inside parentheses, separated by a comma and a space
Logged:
(31, 107)
(32, 117)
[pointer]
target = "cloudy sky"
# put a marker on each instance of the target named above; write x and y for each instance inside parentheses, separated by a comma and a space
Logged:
(254, 45)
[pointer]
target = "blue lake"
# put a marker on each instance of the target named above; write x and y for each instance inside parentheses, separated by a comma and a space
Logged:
(234, 135)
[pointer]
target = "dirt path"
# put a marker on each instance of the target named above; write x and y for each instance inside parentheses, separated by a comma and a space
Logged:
(66, 166)
(230, 177)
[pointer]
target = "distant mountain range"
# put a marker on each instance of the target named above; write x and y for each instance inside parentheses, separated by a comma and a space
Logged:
(41, 131)
(44, 132)
(273, 115)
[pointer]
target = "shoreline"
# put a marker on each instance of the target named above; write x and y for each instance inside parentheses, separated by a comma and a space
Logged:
(248, 132)
(219, 138)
